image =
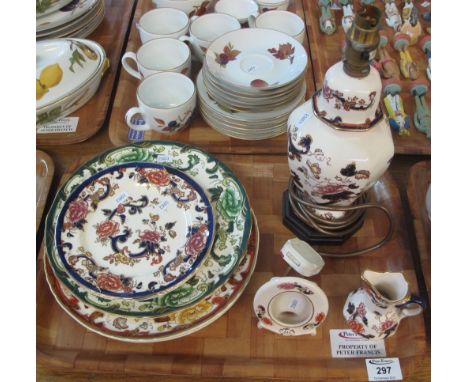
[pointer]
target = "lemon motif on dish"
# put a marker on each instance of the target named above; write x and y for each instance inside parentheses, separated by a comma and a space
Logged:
(50, 76)
(40, 90)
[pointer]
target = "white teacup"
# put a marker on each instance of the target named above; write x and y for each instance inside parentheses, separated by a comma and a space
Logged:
(207, 28)
(240, 9)
(160, 55)
(282, 21)
(166, 102)
(272, 5)
(162, 22)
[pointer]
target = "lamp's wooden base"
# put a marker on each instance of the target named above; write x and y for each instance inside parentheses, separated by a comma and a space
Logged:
(307, 233)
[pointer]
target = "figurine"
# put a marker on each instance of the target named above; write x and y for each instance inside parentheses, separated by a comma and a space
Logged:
(392, 15)
(408, 67)
(387, 65)
(348, 15)
(411, 25)
(426, 48)
(398, 119)
(422, 115)
(327, 20)
(375, 310)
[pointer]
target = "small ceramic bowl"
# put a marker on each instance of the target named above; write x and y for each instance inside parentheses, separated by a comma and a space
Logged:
(240, 9)
(282, 21)
(207, 28)
(159, 55)
(162, 22)
(272, 5)
(190, 7)
(166, 102)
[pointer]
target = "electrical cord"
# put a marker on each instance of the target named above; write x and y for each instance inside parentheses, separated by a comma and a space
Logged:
(340, 227)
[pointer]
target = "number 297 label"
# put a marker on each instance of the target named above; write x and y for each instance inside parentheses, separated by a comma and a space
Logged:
(384, 369)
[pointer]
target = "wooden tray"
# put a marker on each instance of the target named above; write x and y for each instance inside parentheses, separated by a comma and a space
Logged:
(418, 182)
(233, 346)
(111, 34)
(44, 175)
(326, 51)
(198, 133)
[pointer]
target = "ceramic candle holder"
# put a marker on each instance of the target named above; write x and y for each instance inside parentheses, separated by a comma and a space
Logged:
(272, 5)
(160, 55)
(282, 21)
(162, 22)
(240, 9)
(290, 306)
(166, 102)
(207, 28)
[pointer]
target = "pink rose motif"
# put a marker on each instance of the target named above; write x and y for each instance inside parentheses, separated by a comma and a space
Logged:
(77, 210)
(387, 324)
(120, 209)
(287, 286)
(330, 189)
(108, 281)
(196, 243)
(361, 310)
(150, 236)
(106, 229)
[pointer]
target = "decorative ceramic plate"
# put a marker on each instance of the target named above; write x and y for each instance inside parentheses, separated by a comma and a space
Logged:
(231, 211)
(290, 306)
(88, 20)
(45, 7)
(64, 15)
(134, 229)
(220, 110)
(259, 58)
(63, 66)
(175, 325)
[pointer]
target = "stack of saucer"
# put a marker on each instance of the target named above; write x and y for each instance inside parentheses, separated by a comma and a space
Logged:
(146, 244)
(251, 81)
(67, 18)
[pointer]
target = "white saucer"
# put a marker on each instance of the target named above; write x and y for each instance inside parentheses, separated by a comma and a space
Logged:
(290, 306)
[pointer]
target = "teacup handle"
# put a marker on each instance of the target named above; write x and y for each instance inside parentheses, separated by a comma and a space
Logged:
(130, 56)
(252, 19)
(413, 307)
(128, 118)
(195, 46)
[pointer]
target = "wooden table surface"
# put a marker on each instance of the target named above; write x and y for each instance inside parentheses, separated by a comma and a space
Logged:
(66, 156)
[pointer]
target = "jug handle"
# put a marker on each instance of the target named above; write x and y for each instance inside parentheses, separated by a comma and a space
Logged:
(414, 306)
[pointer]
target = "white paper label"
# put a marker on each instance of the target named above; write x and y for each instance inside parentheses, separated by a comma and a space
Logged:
(121, 198)
(384, 369)
(347, 344)
(303, 120)
(164, 205)
(164, 158)
(62, 125)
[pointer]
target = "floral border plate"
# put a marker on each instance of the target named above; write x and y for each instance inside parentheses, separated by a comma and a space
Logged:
(232, 216)
(313, 305)
(45, 7)
(256, 58)
(134, 229)
(173, 326)
(65, 14)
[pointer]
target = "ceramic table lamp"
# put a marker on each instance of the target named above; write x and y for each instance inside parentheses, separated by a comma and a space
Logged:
(339, 142)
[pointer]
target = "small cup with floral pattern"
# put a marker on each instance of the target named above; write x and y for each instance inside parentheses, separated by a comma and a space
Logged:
(166, 102)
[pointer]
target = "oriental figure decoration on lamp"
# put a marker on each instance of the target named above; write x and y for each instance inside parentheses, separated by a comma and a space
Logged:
(339, 144)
